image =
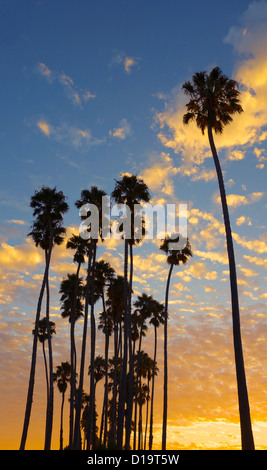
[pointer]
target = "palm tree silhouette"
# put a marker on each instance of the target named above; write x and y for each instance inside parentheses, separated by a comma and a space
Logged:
(104, 273)
(93, 196)
(156, 320)
(72, 294)
(143, 311)
(62, 376)
(214, 98)
(174, 258)
(115, 311)
(49, 206)
(130, 190)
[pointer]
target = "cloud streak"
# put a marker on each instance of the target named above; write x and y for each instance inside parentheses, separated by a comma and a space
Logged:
(75, 94)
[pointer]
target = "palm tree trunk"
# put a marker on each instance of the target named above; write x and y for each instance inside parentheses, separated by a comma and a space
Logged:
(34, 352)
(152, 391)
(165, 385)
(137, 384)
(91, 420)
(105, 402)
(73, 358)
(123, 375)
(46, 371)
(61, 423)
(131, 360)
(78, 405)
(147, 409)
(112, 430)
(244, 410)
(50, 402)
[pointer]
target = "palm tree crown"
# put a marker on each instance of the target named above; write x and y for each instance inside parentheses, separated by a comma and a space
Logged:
(175, 257)
(49, 206)
(213, 99)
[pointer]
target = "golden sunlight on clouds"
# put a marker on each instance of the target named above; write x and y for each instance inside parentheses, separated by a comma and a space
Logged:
(235, 200)
(44, 127)
(123, 131)
(251, 74)
(158, 176)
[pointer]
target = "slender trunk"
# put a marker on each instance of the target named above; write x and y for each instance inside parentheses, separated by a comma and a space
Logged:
(73, 357)
(46, 371)
(91, 420)
(137, 384)
(34, 353)
(244, 411)
(165, 385)
(105, 402)
(112, 431)
(61, 423)
(147, 403)
(50, 402)
(152, 391)
(78, 405)
(131, 359)
(123, 375)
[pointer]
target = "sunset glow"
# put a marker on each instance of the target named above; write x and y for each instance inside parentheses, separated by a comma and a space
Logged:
(92, 91)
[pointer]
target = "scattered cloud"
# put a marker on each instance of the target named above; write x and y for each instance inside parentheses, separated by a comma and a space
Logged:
(159, 173)
(75, 94)
(236, 200)
(69, 135)
(44, 127)
(248, 128)
(242, 219)
(124, 130)
(128, 62)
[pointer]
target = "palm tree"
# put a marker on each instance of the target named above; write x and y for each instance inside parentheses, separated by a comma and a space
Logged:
(80, 247)
(214, 98)
(115, 311)
(156, 319)
(130, 190)
(62, 376)
(104, 273)
(93, 196)
(47, 230)
(72, 293)
(143, 304)
(174, 258)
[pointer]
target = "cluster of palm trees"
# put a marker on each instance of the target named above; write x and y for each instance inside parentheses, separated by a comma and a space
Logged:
(129, 374)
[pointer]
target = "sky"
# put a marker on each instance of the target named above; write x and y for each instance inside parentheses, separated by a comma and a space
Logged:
(92, 90)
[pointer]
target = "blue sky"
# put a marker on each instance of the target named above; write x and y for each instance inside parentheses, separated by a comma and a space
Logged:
(90, 90)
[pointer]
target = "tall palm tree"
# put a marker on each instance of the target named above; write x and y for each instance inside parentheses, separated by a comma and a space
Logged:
(72, 294)
(49, 206)
(93, 196)
(214, 98)
(62, 376)
(104, 273)
(156, 320)
(174, 258)
(144, 305)
(116, 311)
(130, 190)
